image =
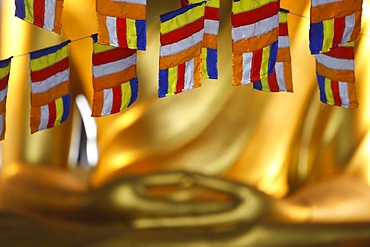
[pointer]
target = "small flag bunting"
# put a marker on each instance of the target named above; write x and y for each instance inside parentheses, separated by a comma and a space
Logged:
(211, 27)
(336, 76)
(50, 87)
(333, 23)
(122, 23)
(255, 30)
(4, 79)
(46, 14)
(115, 79)
(281, 79)
(180, 62)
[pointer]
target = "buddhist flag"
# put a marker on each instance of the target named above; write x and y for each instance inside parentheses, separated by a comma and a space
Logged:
(42, 13)
(122, 23)
(336, 76)
(4, 79)
(281, 79)
(115, 80)
(50, 97)
(211, 27)
(180, 62)
(255, 30)
(334, 23)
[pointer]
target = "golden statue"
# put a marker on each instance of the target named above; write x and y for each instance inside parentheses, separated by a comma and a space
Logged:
(215, 166)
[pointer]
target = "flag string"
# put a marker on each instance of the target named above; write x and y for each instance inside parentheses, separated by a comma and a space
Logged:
(154, 17)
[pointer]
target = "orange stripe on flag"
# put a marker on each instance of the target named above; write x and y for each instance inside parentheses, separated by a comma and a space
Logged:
(333, 10)
(255, 43)
(181, 57)
(237, 69)
(210, 41)
(335, 75)
(35, 118)
(112, 80)
(122, 10)
(40, 99)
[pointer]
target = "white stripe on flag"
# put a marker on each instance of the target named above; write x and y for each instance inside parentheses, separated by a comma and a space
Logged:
(3, 93)
(182, 45)
(247, 66)
(350, 24)
(280, 76)
(52, 81)
(211, 27)
(255, 29)
(114, 67)
(108, 102)
(111, 23)
(44, 117)
(335, 63)
(316, 3)
(49, 15)
(189, 75)
(283, 42)
(343, 92)
(141, 2)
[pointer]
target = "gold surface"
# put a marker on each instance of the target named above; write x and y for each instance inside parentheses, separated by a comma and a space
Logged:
(258, 165)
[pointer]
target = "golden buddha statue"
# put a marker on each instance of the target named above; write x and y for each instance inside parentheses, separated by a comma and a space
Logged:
(215, 166)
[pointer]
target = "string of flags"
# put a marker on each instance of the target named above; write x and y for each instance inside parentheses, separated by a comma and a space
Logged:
(188, 52)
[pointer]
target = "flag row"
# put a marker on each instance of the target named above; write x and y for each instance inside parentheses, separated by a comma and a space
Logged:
(188, 52)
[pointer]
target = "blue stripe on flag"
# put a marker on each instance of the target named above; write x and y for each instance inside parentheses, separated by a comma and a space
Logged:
(321, 81)
(172, 14)
(163, 83)
(4, 63)
(134, 90)
(20, 10)
(94, 37)
(257, 85)
(212, 63)
(141, 34)
(273, 57)
(46, 51)
(316, 37)
(66, 107)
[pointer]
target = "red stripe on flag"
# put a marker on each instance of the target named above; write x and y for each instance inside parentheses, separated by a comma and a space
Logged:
(256, 65)
(43, 74)
(4, 82)
(112, 55)
(283, 29)
(274, 87)
(184, 3)
(182, 33)
(339, 26)
(336, 93)
(52, 114)
(180, 78)
(38, 12)
(211, 13)
(117, 99)
(121, 32)
(253, 16)
(341, 52)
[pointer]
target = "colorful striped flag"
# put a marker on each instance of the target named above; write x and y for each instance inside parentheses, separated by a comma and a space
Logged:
(122, 23)
(211, 27)
(180, 62)
(336, 76)
(281, 79)
(255, 30)
(50, 87)
(115, 80)
(4, 79)
(334, 23)
(46, 14)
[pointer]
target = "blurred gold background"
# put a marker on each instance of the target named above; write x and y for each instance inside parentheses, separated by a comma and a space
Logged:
(304, 161)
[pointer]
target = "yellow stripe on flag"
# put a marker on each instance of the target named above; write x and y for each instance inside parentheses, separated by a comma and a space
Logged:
(172, 80)
(283, 17)
(29, 11)
(265, 84)
(204, 62)
(4, 71)
(98, 48)
(59, 110)
(48, 60)
(248, 5)
(265, 62)
(328, 34)
(183, 19)
(126, 95)
(131, 34)
(329, 92)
